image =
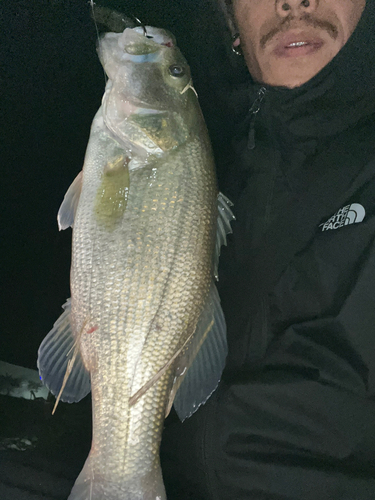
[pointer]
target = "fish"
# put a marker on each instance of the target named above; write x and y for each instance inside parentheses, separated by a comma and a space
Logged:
(143, 329)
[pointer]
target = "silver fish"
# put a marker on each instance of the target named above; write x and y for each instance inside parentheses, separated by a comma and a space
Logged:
(144, 327)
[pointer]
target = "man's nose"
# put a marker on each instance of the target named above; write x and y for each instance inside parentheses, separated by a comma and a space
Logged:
(287, 8)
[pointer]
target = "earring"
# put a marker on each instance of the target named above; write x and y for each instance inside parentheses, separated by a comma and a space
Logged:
(236, 48)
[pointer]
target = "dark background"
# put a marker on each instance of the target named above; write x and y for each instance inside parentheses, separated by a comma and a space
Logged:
(51, 84)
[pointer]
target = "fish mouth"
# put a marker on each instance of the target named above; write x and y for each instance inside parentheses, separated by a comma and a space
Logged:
(162, 37)
(297, 44)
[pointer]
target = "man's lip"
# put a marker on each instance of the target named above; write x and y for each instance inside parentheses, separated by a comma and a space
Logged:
(286, 47)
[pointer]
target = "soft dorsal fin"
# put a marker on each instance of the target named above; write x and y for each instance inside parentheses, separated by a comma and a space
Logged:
(200, 366)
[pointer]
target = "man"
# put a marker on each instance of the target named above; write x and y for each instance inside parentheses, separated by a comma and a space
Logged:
(286, 43)
(294, 415)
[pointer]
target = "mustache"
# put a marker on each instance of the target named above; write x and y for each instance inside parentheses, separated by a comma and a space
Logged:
(305, 20)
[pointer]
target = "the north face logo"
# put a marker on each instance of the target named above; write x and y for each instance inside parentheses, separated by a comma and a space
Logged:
(350, 214)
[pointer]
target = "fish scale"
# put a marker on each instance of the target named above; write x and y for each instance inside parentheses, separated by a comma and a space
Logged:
(116, 346)
(144, 322)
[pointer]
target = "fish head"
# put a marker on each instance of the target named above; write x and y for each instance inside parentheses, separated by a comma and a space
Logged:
(149, 105)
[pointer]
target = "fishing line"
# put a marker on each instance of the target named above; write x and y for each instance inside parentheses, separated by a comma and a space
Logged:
(92, 3)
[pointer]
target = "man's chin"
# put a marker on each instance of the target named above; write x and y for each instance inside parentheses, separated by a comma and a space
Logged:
(290, 77)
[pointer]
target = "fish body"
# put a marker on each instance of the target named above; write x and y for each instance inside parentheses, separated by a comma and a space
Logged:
(142, 296)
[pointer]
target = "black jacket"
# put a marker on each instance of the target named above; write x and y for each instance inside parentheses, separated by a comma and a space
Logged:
(294, 416)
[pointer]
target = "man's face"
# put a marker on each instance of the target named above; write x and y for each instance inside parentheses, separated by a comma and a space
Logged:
(287, 42)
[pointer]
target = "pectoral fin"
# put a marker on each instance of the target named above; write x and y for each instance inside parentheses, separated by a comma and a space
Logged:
(113, 192)
(60, 363)
(200, 366)
(67, 211)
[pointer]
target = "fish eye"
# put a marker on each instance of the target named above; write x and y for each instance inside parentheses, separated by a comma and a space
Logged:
(176, 70)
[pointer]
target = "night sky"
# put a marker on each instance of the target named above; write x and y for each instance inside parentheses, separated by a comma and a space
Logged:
(51, 84)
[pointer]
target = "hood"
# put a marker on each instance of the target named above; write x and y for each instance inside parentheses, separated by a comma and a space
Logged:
(339, 96)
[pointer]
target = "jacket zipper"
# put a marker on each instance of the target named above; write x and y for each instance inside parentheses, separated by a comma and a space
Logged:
(254, 110)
